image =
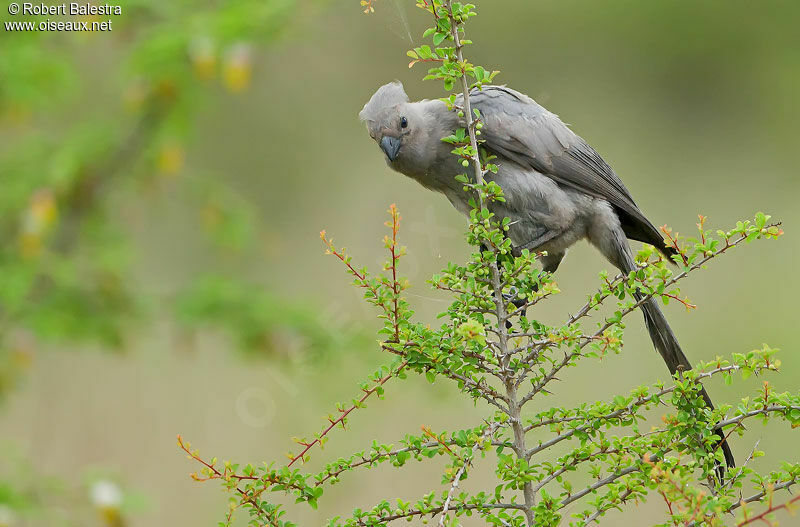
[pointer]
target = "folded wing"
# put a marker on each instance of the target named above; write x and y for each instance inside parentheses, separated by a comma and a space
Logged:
(519, 129)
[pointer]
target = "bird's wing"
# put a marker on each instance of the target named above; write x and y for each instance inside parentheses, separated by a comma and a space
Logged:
(517, 128)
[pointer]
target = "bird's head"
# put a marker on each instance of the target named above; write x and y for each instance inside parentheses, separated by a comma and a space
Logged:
(397, 126)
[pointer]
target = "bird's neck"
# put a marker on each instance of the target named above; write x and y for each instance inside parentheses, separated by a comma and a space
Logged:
(438, 166)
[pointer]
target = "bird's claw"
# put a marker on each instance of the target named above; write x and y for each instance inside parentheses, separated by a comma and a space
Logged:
(513, 297)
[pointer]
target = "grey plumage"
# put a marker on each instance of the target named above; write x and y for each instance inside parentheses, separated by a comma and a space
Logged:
(558, 189)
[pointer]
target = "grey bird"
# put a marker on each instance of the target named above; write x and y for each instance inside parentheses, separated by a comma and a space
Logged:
(557, 188)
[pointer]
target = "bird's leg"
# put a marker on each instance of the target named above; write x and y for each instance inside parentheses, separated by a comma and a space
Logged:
(512, 294)
(550, 264)
(544, 236)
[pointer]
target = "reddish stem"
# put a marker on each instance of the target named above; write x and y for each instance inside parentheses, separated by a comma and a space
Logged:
(344, 413)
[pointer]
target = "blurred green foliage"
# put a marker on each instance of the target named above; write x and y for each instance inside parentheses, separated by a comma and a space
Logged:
(706, 88)
(29, 497)
(264, 324)
(65, 262)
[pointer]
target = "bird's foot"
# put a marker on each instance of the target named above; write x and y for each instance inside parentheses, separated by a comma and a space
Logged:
(513, 297)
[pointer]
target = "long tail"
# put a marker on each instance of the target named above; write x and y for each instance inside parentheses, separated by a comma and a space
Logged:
(612, 243)
(667, 345)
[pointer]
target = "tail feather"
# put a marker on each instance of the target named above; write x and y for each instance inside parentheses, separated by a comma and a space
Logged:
(608, 234)
(667, 346)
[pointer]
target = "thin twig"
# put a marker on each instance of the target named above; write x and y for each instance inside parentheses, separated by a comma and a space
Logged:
(344, 413)
(489, 432)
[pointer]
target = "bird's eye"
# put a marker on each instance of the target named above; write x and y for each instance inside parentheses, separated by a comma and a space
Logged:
(403, 122)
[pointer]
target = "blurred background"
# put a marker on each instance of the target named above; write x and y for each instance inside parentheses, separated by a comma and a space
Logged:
(162, 187)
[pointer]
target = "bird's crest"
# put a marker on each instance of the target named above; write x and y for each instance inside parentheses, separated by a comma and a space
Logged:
(387, 96)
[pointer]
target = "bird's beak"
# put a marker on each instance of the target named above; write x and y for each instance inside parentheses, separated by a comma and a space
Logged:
(390, 146)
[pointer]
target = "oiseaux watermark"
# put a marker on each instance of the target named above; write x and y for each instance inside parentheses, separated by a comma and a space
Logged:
(71, 9)
(74, 9)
